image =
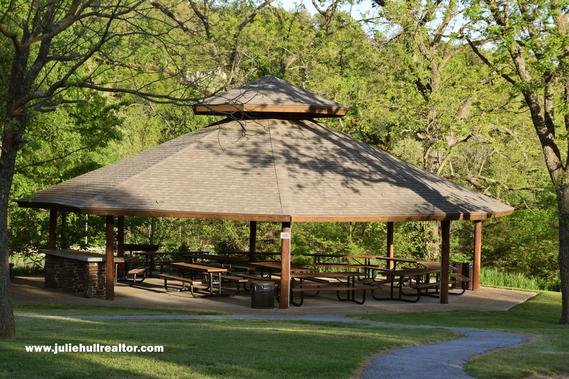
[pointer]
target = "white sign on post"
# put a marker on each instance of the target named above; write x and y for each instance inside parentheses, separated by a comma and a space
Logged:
(285, 235)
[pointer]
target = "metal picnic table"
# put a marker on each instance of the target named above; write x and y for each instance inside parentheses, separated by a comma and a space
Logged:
(349, 286)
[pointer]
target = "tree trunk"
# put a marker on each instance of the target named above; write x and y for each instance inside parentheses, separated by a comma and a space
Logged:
(11, 140)
(563, 204)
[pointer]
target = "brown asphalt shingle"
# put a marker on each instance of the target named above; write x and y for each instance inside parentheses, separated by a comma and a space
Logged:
(273, 170)
(270, 95)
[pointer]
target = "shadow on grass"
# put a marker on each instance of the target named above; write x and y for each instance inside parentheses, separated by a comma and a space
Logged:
(200, 348)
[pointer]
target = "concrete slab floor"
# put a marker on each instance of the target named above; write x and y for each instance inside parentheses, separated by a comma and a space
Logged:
(151, 295)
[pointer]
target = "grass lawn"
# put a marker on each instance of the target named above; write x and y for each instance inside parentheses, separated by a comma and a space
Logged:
(547, 352)
(197, 348)
(81, 310)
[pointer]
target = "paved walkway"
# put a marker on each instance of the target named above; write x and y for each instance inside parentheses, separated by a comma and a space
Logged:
(441, 360)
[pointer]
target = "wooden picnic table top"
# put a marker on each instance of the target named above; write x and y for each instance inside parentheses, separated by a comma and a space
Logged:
(430, 264)
(394, 259)
(339, 265)
(359, 256)
(198, 267)
(379, 257)
(326, 274)
(325, 255)
(159, 253)
(276, 266)
(216, 257)
(415, 271)
(265, 253)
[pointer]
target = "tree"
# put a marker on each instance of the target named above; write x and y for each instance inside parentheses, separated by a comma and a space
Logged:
(529, 47)
(437, 88)
(57, 49)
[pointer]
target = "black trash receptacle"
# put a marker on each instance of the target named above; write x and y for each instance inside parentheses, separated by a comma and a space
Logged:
(263, 295)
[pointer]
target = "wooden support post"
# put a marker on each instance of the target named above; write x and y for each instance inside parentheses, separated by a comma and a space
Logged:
(252, 240)
(390, 250)
(285, 266)
(63, 242)
(445, 253)
(477, 255)
(52, 239)
(109, 259)
(120, 246)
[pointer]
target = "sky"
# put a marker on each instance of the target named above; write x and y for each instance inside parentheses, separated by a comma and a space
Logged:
(362, 9)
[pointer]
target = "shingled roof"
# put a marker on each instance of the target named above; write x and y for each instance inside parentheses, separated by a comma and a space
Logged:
(268, 170)
(269, 96)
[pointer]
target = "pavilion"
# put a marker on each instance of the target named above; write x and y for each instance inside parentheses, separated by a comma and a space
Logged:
(269, 160)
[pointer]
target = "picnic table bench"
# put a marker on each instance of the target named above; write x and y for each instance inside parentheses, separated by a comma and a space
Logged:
(182, 279)
(237, 280)
(136, 273)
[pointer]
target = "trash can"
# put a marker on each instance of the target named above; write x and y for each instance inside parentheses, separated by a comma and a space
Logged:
(263, 295)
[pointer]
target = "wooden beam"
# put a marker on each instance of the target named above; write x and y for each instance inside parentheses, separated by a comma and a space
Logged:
(252, 240)
(120, 245)
(445, 254)
(285, 265)
(109, 259)
(265, 217)
(390, 250)
(232, 108)
(52, 239)
(477, 255)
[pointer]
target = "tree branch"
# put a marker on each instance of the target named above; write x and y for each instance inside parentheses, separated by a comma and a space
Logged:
(487, 62)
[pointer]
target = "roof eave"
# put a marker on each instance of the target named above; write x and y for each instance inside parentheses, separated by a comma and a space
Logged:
(25, 203)
(312, 110)
(475, 216)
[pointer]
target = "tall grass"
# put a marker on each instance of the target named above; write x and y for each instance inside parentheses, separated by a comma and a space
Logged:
(491, 277)
(26, 265)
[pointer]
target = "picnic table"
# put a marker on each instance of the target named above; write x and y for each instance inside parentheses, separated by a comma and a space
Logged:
(346, 282)
(458, 279)
(318, 257)
(369, 269)
(210, 271)
(223, 259)
(416, 278)
(340, 265)
(366, 258)
(150, 258)
(274, 266)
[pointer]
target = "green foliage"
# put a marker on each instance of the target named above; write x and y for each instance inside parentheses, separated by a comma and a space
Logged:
(377, 70)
